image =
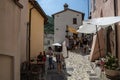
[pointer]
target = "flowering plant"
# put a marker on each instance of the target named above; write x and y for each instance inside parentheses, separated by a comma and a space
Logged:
(111, 62)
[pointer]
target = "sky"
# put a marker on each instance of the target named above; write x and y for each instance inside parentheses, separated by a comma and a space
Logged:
(53, 6)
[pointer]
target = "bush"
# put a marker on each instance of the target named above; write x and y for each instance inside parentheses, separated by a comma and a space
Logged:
(111, 62)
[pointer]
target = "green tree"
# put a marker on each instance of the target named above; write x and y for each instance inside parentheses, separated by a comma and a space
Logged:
(49, 27)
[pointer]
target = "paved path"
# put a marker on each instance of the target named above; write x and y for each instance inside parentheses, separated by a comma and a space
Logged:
(54, 75)
(78, 67)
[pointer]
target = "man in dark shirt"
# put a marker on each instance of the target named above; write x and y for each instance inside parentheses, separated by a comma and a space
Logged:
(85, 44)
(39, 57)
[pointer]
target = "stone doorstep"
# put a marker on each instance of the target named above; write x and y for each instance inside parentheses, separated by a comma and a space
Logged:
(93, 75)
(93, 78)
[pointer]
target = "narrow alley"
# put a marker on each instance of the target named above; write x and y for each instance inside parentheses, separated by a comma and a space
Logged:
(78, 67)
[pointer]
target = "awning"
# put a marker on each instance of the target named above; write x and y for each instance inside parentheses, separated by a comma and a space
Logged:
(88, 28)
(56, 44)
(103, 21)
(72, 30)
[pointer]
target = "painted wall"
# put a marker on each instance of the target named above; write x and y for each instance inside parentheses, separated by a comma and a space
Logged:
(37, 33)
(10, 15)
(60, 22)
(23, 30)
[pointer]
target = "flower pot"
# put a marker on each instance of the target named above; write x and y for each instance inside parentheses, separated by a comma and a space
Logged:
(112, 73)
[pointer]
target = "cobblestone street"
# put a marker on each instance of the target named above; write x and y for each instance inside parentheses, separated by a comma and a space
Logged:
(78, 67)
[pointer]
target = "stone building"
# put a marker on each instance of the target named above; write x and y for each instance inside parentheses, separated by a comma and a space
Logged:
(66, 17)
(48, 40)
(109, 8)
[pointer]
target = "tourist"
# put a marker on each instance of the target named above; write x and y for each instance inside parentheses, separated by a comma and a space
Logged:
(85, 42)
(67, 44)
(50, 58)
(59, 59)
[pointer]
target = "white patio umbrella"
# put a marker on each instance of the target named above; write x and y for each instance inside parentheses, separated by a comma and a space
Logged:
(56, 44)
(103, 21)
(88, 28)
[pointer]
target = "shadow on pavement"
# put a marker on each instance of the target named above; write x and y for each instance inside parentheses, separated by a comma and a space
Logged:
(54, 75)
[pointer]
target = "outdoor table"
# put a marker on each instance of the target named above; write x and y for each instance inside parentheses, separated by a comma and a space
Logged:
(37, 69)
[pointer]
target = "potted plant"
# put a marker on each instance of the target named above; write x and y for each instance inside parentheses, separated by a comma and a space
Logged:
(111, 65)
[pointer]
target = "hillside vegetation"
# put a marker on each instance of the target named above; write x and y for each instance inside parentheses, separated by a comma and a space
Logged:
(49, 27)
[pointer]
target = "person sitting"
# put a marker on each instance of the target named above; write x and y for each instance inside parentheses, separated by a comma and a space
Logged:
(44, 61)
(44, 57)
(39, 57)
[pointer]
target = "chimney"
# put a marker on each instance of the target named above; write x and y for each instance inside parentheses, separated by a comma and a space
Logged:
(65, 6)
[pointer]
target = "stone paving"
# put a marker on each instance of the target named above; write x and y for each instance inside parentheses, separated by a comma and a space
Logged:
(78, 67)
(81, 67)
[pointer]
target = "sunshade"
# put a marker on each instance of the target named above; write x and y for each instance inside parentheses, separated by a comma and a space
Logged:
(56, 44)
(88, 28)
(103, 21)
(72, 30)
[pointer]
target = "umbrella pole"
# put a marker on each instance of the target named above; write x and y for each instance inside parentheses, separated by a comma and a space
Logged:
(98, 40)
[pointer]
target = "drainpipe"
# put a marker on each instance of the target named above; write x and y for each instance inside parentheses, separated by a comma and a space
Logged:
(116, 38)
(30, 14)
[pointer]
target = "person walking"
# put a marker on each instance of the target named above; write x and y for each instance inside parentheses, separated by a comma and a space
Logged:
(50, 58)
(85, 44)
(59, 60)
(67, 44)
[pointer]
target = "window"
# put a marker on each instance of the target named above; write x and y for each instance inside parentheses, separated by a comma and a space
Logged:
(48, 42)
(74, 20)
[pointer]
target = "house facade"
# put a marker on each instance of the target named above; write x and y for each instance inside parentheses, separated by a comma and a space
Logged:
(67, 17)
(15, 39)
(24, 31)
(48, 40)
(37, 19)
(10, 20)
(108, 8)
